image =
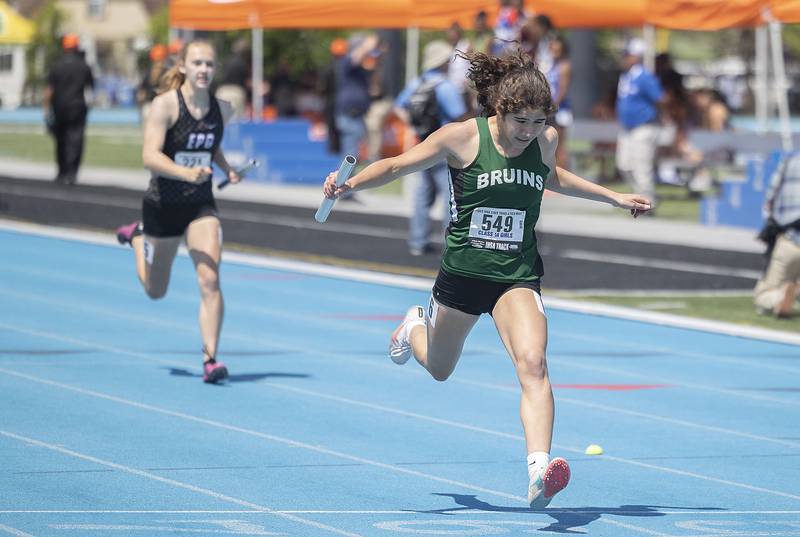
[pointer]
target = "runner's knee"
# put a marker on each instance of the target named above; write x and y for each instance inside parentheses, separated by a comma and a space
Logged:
(531, 367)
(207, 279)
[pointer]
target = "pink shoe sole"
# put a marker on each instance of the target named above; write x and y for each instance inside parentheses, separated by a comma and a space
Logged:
(215, 373)
(555, 478)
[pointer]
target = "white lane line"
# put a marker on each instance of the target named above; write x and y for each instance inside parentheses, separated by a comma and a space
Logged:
(14, 531)
(460, 511)
(246, 530)
(385, 466)
(634, 528)
(172, 482)
(554, 332)
(653, 417)
(497, 387)
(266, 436)
(425, 284)
(577, 402)
(558, 360)
(276, 343)
(682, 423)
(283, 313)
(635, 346)
(665, 264)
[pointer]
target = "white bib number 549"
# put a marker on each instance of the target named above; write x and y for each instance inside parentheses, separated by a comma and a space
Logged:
(193, 159)
(507, 225)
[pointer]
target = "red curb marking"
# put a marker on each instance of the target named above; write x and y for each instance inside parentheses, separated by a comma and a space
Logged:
(611, 387)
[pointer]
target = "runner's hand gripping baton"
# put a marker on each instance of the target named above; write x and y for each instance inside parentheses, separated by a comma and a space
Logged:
(345, 169)
(252, 163)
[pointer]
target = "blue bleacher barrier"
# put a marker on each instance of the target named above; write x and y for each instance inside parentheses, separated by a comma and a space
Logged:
(288, 151)
(740, 202)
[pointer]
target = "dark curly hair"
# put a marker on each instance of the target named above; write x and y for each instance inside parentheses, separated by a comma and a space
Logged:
(509, 83)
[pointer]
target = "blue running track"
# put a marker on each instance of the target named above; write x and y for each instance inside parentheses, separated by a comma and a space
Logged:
(106, 428)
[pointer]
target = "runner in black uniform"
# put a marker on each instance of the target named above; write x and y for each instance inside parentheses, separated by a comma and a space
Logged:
(182, 139)
(499, 168)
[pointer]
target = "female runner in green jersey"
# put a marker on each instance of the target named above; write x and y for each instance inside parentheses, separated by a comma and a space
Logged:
(500, 165)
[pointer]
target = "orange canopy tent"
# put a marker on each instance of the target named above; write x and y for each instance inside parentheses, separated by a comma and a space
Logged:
(703, 14)
(676, 14)
(241, 14)
(785, 10)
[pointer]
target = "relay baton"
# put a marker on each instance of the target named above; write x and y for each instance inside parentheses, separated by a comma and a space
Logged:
(345, 169)
(252, 163)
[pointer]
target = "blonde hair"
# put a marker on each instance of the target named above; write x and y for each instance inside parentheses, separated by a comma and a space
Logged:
(173, 78)
(509, 83)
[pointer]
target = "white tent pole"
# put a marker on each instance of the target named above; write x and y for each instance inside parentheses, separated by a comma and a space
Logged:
(780, 85)
(258, 73)
(761, 79)
(412, 53)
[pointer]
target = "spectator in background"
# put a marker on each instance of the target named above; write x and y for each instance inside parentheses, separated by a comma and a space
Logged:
(735, 90)
(327, 87)
(66, 109)
(535, 39)
(675, 110)
(507, 27)
(428, 102)
(459, 65)
(711, 110)
(559, 77)
(675, 114)
(639, 95)
(380, 101)
(282, 88)
(148, 87)
(235, 81)
(307, 100)
(482, 34)
(778, 288)
(352, 93)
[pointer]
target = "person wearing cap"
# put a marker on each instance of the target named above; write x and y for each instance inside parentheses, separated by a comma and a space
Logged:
(66, 109)
(327, 88)
(352, 99)
(428, 102)
(639, 95)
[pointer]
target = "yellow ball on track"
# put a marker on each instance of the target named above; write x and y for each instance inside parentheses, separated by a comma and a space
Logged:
(594, 449)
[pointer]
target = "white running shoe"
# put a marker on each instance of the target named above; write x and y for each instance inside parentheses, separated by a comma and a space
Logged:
(400, 345)
(549, 482)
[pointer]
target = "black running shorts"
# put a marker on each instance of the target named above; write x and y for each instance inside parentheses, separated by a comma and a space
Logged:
(172, 220)
(472, 295)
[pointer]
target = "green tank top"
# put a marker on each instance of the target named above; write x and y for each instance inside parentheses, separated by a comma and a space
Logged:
(495, 206)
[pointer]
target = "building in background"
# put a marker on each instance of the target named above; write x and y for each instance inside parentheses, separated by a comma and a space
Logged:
(112, 34)
(15, 33)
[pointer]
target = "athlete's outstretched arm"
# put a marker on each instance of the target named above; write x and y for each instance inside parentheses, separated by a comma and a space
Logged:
(568, 183)
(565, 182)
(432, 150)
